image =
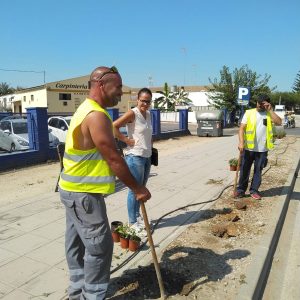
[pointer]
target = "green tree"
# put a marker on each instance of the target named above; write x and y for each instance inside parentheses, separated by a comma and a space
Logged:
(225, 90)
(170, 99)
(5, 89)
(290, 99)
(181, 97)
(296, 86)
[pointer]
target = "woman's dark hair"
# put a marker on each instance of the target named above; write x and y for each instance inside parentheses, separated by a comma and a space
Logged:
(144, 90)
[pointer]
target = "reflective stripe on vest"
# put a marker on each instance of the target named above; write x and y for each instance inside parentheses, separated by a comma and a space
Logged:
(78, 158)
(85, 170)
(88, 179)
(250, 131)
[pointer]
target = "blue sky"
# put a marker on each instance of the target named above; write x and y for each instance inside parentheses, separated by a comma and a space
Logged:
(179, 42)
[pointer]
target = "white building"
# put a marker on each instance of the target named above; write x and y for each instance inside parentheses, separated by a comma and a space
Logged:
(60, 97)
(6, 102)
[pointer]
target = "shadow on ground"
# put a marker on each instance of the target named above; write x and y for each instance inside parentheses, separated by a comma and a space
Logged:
(183, 269)
(186, 217)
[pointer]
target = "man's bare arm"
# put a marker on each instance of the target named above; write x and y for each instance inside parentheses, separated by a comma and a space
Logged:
(241, 137)
(122, 121)
(100, 129)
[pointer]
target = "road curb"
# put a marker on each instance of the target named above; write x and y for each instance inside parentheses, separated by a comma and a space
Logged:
(257, 273)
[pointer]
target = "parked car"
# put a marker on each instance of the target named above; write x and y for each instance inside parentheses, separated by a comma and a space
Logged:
(59, 126)
(17, 129)
(6, 142)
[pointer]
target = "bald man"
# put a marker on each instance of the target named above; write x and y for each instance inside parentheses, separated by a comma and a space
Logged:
(91, 161)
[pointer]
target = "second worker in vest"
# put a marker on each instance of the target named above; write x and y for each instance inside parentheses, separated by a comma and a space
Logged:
(255, 140)
(91, 161)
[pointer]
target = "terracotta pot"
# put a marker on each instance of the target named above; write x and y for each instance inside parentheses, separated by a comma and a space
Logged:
(233, 168)
(124, 243)
(133, 245)
(116, 237)
(114, 225)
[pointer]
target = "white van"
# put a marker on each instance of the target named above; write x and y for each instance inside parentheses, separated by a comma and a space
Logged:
(280, 111)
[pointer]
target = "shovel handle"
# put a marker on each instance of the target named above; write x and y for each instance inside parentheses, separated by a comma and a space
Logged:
(155, 261)
(237, 173)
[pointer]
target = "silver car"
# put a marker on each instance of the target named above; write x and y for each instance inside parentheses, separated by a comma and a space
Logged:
(17, 129)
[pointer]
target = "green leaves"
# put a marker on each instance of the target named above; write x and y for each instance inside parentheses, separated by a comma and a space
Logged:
(169, 99)
(296, 86)
(225, 90)
(5, 89)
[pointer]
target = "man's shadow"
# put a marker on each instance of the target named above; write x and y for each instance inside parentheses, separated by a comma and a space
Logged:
(187, 217)
(182, 268)
(272, 192)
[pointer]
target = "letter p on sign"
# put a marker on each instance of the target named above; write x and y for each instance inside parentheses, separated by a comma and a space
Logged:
(244, 93)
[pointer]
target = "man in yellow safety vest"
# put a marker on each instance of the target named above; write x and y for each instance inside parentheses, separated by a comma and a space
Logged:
(255, 140)
(91, 161)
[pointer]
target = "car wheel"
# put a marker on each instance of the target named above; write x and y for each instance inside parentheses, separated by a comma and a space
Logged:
(12, 148)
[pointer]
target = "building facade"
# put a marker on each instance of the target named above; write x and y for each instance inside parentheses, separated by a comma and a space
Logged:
(60, 97)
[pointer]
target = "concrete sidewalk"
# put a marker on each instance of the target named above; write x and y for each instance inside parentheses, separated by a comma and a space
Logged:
(32, 262)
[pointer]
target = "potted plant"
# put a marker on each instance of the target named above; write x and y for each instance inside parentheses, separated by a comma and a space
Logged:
(114, 232)
(134, 240)
(123, 231)
(233, 164)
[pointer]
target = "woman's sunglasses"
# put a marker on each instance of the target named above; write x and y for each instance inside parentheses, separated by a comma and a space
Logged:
(148, 102)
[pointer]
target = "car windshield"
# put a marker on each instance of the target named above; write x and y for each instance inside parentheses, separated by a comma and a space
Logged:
(20, 128)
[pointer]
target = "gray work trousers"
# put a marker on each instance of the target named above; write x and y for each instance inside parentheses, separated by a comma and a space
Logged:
(88, 245)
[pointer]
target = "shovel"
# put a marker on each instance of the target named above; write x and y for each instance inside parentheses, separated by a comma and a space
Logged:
(237, 175)
(156, 265)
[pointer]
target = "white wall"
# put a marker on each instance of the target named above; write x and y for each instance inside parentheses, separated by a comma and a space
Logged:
(198, 98)
(174, 117)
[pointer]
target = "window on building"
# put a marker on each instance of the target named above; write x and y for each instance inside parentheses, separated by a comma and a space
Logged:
(65, 103)
(64, 96)
(24, 98)
(31, 97)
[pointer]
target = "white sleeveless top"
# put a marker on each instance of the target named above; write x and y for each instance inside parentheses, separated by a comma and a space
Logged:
(141, 131)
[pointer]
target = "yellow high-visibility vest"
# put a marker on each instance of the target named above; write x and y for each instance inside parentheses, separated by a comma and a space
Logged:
(85, 170)
(250, 131)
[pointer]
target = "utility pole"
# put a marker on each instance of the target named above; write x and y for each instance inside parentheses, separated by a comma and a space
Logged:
(194, 66)
(150, 81)
(184, 50)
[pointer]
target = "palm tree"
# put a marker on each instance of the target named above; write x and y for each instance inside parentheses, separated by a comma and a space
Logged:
(166, 101)
(5, 89)
(181, 97)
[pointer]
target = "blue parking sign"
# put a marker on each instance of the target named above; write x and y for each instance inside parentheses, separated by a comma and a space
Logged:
(243, 95)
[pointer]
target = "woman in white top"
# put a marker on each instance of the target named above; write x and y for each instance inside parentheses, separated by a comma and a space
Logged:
(138, 150)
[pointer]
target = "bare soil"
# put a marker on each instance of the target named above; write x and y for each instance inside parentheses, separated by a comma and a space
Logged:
(209, 259)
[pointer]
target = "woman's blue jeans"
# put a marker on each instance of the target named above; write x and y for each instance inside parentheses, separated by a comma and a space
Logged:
(140, 169)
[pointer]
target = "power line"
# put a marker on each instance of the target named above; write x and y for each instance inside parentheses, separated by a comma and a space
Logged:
(26, 71)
